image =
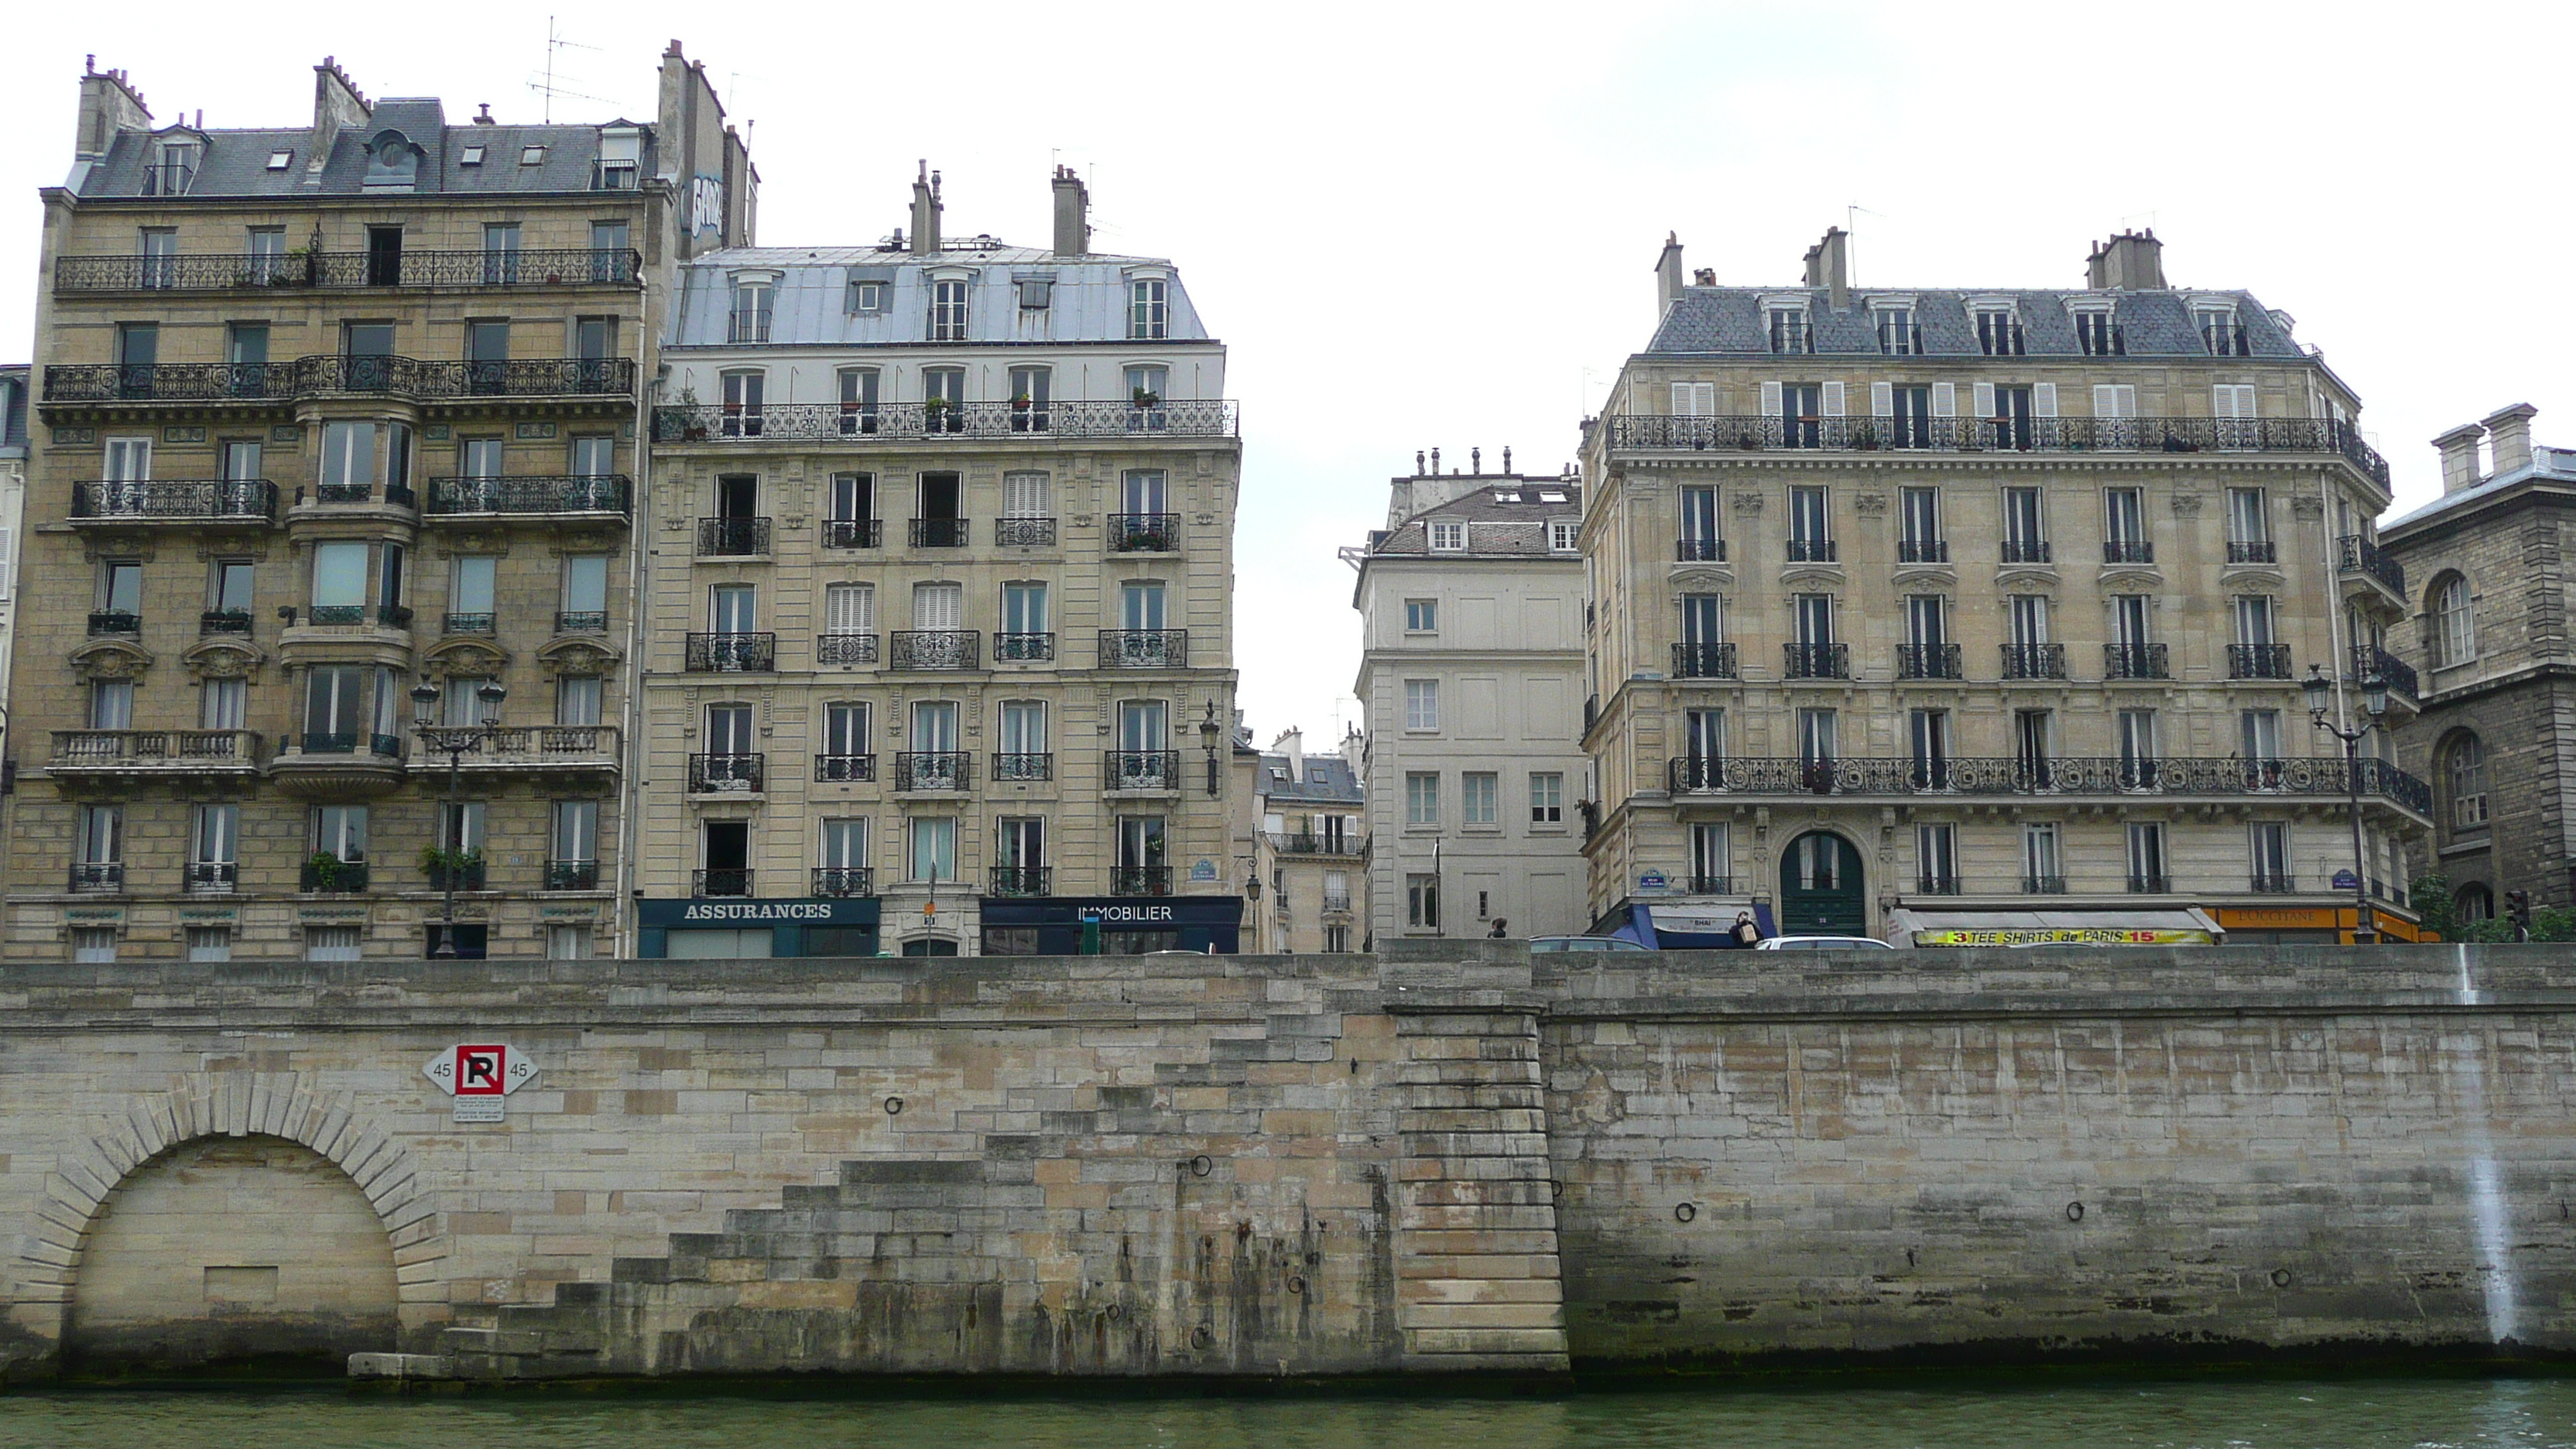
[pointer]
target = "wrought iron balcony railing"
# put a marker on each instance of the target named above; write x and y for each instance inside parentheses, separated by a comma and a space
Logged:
(845, 769)
(1710, 885)
(211, 877)
(336, 376)
(1937, 885)
(2260, 551)
(1144, 648)
(1337, 905)
(114, 623)
(2025, 551)
(1811, 550)
(845, 649)
(572, 875)
(2271, 885)
(933, 770)
(190, 500)
(1021, 880)
(1140, 770)
(467, 875)
(720, 883)
(934, 649)
(2357, 554)
(1816, 661)
(1024, 532)
(2043, 885)
(605, 493)
(1923, 550)
(1140, 880)
(2034, 661)
(202, 272)
(1927, 661)
(853, 532)
(941, 532)
(2150, 885)
(1699, 550)
(2128, 551)
(1976, 435)
(1306, 843)
(324, 873)
(2080, 776)
(1704, 660)
(730, 774)
(1141, 532)
(1023, 647)
(2135, 661)
(2399, 675)
(898, 422)
(469, 623)
(224, 621)
(1024, 766)
(97, 875)
(730, 653)
(2258, 661)
(347, 742)
(582, 621)
(857, 881)
(733, 538)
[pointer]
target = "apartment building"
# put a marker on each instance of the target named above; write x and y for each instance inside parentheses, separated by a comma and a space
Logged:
(1471, 674)
(941, 601)
(1954, 615)
(2492, 642)
(337, 428)
(13, 503)
(1309, 877)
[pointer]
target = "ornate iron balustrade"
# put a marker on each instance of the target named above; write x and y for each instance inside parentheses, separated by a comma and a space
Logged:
(1140, 770)
(333, 614)
(572, 875)
(2104, 776)
(582, 621)
(1023, 648)
(211, 877)
(332, 376)
(1709, 885)
(1024, 766)
(339, 493)
(200, 272)
(465, 875)
(2258, 661)
(934, 649)
(2272, 885)
(2135, 661)
(898, 422)
(1928, 661)
(1140, 880)
(845, 769)
(1024, 532)
(933, 770)
(71, 382)
(845, 649)
(941, 532)
(1977, 435)
(844, 881)
(2359, 555)
(1699, 550)
(1937, 885)
(327, 874)
(1704, 661)
(115, 623)
(733, 538)
(853, 532)
(469, 623)
(735, 774)
(2043, 885)
(2151, 885)
(189, 499)
(1288, 842)
(2025, 551)
(1141, 532)
(730, 653)
(607, 493)
(224, 621)
(2034, 661)
(1021, 880)
(2398, 674)
(97, 876)
(1923, 550)
(1811, 550)
(2262, 552)
(721, 883)
(1337, 905)
(1144, 648)
(1816, 661)
(2128, 551)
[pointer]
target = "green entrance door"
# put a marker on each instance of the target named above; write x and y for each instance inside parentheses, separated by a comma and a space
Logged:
(1820, 888)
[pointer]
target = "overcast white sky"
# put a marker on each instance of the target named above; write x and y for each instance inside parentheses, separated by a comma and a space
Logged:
(1422, 225)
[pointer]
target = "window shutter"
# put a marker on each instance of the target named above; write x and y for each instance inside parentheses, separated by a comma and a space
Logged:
(1882, 400)
(1985, 399)
(2043, 400)
(1833, 399)
(2232, 400)
(848, 608)
(2106, 401)
(1945, 399)
(937, 606)
(1681, 400)
(8, 560)
(1770, 399)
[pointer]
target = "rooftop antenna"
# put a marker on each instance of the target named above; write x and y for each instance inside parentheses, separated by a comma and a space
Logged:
(546, 86)
(1852, 212)
(2133, 216)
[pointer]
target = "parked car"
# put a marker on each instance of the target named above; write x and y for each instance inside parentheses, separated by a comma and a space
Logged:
(1583, 943)
(1821, 943)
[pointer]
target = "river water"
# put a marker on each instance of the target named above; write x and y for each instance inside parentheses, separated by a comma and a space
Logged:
(2335, 1414)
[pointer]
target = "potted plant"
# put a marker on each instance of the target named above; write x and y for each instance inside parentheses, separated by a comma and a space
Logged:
(439, 864)
(1145, 398)
(1019, 402)
(322, 868)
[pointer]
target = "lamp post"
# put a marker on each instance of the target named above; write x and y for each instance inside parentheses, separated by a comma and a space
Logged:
(1207, 739)
(456, 741)
(2374, 703)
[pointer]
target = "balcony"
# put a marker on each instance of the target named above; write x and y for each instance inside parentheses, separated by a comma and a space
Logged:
(729, 653)
(476, 270)
(2271, 885)
(905, 422)
(1816, 661)
(531, 496)
(853, 532)
(1928, 661)
(155, 752)
(2361, 557)
(2043, 885)
(2034, 661)
(933, 770)
(1141, 533)
(1709, 885)
(1337, 905)
(582, 621)
(845, 649)
(1140, 880)
(211, 877)
(469, 623)
(1923, 550)
(338, 765)
(1704, 661)
(1812, 550)
(1937, 885)
(2134, 661)
(845, 769)
(1150, 770)
(463, 875)
(224, 621)
(336, 376)
(522, 749)
(721, 883)
(1024, 532)
(1699, 550)
(328, 874)
(572, 875)
(2128, 551)
(847, 881)
(1980, 435)
(1023, 766)
(96, 877)
(1021, 880)
(1023, 648)
(2396, 672)
(2258, 661)
(733, 538)
(941, 532)
(2319, 777)
(934, 649)
(1144, 648)
(2263, 552)
(728, 774)
(115, 624)
(1303, 843)
(2025, 551)
(200, 501)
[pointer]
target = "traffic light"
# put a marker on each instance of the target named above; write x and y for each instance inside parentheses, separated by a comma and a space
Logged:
(2517, 909)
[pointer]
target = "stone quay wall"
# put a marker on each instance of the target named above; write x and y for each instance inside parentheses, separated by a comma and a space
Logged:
(1441, 1159)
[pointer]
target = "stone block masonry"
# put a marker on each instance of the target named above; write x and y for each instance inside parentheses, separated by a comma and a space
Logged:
(1437, 1161)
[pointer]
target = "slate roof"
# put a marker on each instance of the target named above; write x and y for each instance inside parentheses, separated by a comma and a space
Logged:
(1724, 320)
(1329, 781)
(235, 163)
(2553, 465)
(1495, 529)
(1087, 302)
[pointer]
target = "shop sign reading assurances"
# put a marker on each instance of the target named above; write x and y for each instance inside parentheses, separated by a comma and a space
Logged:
(480, 1076)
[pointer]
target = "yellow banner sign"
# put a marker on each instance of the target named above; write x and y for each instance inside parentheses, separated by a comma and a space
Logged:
(2063, 936)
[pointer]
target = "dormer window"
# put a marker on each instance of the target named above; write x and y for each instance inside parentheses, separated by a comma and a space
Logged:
(1149, 309)
(866, 297)
(531, 155)
(1550, 495)
(948, 311)
(1789, 331)
(393, 164)
(1998, 331)
(749, 320)
(2097, 335)
(278, 160)
(2220, 332)
(471, 156)
(1036, 293)
(1448, 537)
(1560, 535)
(620, 153)
(1898, 333)
(173, 173)
(1505, 495)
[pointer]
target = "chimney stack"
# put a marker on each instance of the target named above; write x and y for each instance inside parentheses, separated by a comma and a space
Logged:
(1668, 275)
(1072, 214)
(925, 213)
(2460, 456)
(107, 105)
(2133, 261)
(337, 106)
(2509, 438)
(1829, 267)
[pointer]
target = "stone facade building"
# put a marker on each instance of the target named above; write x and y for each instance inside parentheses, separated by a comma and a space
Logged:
(1309, 848)
(1471, 666)
(329, 413)
(2491, 639)
(1927, 612)
(940, 652)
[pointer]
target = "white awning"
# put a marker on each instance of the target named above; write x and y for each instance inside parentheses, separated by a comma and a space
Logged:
(2187, 926)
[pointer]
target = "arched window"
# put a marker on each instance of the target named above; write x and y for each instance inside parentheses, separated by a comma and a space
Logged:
(2464, 764)
(2474, 903)
(2455, 633)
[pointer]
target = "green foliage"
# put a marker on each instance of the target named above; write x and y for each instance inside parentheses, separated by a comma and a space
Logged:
(2430, 895)
(2553, 923)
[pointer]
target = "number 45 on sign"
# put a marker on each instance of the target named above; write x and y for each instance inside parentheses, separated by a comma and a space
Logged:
(480, 1076)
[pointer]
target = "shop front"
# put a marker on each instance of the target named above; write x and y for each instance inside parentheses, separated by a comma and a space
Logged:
(2311, 925)
(757, 929)
(2186, 926)
(1126, 925)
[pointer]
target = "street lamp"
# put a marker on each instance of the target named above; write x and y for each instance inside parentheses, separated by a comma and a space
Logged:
(2374, 703)
(456, 740)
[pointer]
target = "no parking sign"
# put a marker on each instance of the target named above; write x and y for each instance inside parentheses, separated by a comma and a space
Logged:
(479, 1075)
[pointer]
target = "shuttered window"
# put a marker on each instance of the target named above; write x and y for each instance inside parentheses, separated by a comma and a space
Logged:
(849, 608)
(1024, 495)
(938, 606)
(1694, 399)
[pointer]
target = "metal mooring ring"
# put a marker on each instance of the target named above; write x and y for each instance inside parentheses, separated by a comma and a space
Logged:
(1200, 1166)
(1202, 1336)
(894, 1106)
(1684, 1212)
(2280, 1277)
(2075, 1212)
(1296, 1285)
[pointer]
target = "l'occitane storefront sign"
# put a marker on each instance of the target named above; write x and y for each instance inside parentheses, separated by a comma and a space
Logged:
(2063, 936)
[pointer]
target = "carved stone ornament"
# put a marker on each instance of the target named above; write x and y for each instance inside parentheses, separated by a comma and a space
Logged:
(1748, 500)
(578, 656)
(224, 659)
(2187, 505)
(2307, 509)
(468, 657)
(1870, 505)
(1699, 580)
(110, 659)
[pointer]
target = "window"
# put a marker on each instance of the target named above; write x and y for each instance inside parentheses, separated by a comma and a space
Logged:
(1547, 797)
(222, 704)
(2455, 630)
(348, 459)
(864, 297)
(849, 608)
(1448, 537)
(1700, 539)
(1897, 334)
(577, 699)
(620, 152)
(1421, 616)
(2219, 332)
(340, 831)
(2465, 768)
(2249, 527)
(1920, 513)
(500, 256)
(2043, 868)
(1146, 384)
(2025, 531)
(1422, 704)
(1801, 409)
(1789, 332)
(1812, 615)
(948, 311)
(2116, 402)
(1936, 859)
(1149, 310)
(93, 943)
(1694, 399)
(339, 575)
(1024, 495)
(332, 943)
(933, 847)
(568, 943)
(1476, 792)
(531, 155)
(1032, 389)
(845, 731)
(1809, 538)
(585, 593)
(210, 943)
(100, 848)
(749, 319)
(574, 843)
(1712, 859)
(470, 595)
(160, 256)
(2269, 844)
(1024, 608)
(1020, 845)
(2258, 734)
(1337, 940)
(2147, 873)
(279, 159)
(1422, 901)
(1422, 797)
(1561, 534)
(1816, 731)
(471, 156)
(111, 704)
(2137, 730)
(1704, 741)
(460, 826)
(1998, 332)
(732, 608)
(2096, 336)
(2124, 526)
